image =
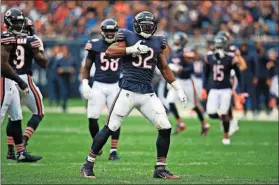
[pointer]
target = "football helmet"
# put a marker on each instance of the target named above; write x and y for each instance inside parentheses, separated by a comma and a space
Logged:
(109, 29)
(145, 24)
(14, 21)
(29, 28)
(219, 44)
(179, 39)
(224, 34)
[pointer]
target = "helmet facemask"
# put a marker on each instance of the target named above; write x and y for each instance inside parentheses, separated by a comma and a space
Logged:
(109, 35)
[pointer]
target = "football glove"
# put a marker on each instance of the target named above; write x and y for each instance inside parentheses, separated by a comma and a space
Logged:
(180, 93)
(137, 49)
(86, 90)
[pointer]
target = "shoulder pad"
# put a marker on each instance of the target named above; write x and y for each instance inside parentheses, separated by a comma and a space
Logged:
(7, 38)
(90, 44)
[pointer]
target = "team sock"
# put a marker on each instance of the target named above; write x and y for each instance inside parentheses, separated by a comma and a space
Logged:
(32, 125)
(200, 115)
(17, 135)
(10, 139)
(173, 109)
(93, 127)
(114, 140)
(98, 143)
(162, 144)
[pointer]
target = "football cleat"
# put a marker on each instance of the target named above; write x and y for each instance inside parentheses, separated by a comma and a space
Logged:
(113, 156)
(25, 157)
(180, 127)
(205, 129)
(164, 174)
(87, 171)
(226, 141)
(11, 156)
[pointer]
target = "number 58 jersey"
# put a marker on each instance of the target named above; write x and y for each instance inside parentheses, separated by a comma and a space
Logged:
(107, 68)
(21, 56)
(138, 70)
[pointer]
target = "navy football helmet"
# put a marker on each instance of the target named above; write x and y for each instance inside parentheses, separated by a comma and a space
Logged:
(109, 29)
(179, 39)
(145, 24)
(14, 21)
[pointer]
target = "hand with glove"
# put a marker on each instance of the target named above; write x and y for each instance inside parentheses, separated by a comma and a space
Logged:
(86, 89)
(180, 93)
(137, 48)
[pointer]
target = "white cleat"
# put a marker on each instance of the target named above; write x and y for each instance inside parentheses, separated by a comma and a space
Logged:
(226, 141)
(233, 127)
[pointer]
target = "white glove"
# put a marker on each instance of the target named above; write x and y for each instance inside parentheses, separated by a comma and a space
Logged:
(137, 48)
(180, 93)
(174, 67)
(86, 90)
(41, 48)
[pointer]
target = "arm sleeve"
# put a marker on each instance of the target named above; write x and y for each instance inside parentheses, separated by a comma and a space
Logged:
(120, 36)
(238, 76)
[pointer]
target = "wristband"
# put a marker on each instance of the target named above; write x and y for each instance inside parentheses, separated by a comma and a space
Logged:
(176, 85)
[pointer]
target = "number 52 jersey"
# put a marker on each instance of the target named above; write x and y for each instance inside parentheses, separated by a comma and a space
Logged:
(138, 70)
(22, 54)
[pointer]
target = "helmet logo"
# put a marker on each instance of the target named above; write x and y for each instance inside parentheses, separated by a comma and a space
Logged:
(8, 13)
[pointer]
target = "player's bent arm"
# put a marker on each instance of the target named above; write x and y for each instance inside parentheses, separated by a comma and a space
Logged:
(240, 61)
(117, 49)
(89, 59)
(6, 70)
(39, 57)
(165, 69)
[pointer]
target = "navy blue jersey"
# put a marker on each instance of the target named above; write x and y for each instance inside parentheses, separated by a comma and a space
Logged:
(217, 72)
(198, 68)
(21, 56)
(176, 57)
(107, 68)
(138, 70)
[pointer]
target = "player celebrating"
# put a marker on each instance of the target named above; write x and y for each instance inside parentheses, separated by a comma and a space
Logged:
(182, 65)
(10, 101)
(105, 85)
(218, 64)
(28, 48)
(141, 51)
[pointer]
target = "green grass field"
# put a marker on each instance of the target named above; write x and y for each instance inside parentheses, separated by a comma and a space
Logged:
(64, 141)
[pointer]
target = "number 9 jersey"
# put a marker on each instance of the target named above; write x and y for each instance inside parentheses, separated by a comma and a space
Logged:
(138, 70)
(21, 56)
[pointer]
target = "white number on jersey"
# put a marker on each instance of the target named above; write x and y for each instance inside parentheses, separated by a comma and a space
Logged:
(218, 72)
(20, 55)
(143, 63)
(108, 63)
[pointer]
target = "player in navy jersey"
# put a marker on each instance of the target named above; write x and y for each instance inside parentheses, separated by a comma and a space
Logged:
(12, 52)
(28, 48)
(218, 66)
(182, 65)
(105, 86)
(140, 52)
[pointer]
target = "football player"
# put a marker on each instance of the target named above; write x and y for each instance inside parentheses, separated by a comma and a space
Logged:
(105, 86)
(182, 65)
(141, 52)
(28, 48)
(218, 66)
(11, 52)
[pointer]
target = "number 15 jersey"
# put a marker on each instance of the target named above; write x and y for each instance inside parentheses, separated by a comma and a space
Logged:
(138, 70)
(107, 68)
(21, 56)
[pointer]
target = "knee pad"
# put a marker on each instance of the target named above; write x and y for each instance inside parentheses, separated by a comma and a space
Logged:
(165, 133)
(214, 116)
(162, 122)
(114, 122)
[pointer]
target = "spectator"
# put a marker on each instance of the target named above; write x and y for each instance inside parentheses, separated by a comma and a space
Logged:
(65, 71)
(262, 79)
(247, 77)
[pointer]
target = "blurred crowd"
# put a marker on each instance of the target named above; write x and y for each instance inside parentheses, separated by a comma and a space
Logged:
(81, 19)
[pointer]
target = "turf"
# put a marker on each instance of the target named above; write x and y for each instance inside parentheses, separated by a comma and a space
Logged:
(64, 141)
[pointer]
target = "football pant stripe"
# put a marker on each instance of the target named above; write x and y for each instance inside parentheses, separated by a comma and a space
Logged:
(37, 97)
(112, 106)
(2, 90)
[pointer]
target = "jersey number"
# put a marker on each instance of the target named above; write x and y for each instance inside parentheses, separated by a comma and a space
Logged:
(20, 53)
(108, 63)
(218, 73)
(143, 62)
